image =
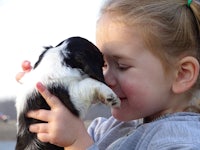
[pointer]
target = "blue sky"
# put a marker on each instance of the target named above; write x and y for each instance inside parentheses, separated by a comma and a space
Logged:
(27, 25)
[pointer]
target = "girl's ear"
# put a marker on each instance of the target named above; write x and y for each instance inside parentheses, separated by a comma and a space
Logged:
(186, 74)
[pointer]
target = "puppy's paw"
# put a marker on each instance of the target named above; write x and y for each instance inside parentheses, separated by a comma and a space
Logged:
(107, 96)
(112, 100)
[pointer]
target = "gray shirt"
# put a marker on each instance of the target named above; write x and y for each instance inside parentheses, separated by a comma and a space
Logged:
(175, 131)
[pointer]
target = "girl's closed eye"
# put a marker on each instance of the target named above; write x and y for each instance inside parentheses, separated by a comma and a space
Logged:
(119, 66)
(122, 67)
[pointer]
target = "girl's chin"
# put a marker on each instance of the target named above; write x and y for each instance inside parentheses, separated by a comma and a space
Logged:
(116, 113)
(121, 115)
(115, 109)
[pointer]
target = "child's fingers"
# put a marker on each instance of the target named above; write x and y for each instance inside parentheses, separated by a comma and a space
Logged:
(40, 114)
(43, 137)
(51, 100)
(39, 128)
(43, 133)
(26, 66)
(19, 76)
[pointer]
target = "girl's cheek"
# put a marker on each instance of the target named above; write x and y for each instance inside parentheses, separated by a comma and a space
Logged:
(136, 95)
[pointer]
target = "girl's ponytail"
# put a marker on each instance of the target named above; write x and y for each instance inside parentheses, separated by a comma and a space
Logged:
(195, 7)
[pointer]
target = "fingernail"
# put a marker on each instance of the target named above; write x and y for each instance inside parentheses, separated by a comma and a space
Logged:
(28, 114)
(26, 62)
(40, 86)
(26, 65)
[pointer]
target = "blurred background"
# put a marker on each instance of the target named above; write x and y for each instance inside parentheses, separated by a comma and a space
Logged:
(25, 27)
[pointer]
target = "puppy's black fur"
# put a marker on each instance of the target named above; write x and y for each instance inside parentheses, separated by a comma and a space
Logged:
(83, 62)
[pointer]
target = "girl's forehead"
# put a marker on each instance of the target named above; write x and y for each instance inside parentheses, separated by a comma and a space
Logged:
(109, 25)
(107, 22)
(115, 33)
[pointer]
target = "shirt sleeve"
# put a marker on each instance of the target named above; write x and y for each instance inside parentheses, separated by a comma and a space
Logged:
(106, 131)
(94, 132)
(94, 128)
(93, 147)
(176, 134)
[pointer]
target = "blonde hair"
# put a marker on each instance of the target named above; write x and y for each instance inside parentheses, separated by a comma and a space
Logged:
(170, 28)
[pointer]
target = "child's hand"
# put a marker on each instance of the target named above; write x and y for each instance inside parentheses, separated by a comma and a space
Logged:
(63, 128)
(26, 67)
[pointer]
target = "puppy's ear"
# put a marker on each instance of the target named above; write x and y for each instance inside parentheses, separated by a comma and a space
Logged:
(94, 67)
(81, 53)
(186, 74)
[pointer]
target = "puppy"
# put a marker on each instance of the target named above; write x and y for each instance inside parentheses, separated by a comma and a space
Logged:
(72, 71)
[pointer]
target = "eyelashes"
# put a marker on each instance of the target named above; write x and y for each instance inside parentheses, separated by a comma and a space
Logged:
(122, 67)
(116, 65)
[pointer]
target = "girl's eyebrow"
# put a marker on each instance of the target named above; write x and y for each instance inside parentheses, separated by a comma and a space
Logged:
(117, 57)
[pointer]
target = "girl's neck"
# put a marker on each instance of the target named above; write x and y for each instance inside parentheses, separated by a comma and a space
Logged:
(155, 117)
(180, 104)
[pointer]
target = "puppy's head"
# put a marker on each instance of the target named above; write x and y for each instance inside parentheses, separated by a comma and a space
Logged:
(84, 55)
(81, 54)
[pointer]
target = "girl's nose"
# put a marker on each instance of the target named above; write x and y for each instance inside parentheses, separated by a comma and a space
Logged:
(110, 78)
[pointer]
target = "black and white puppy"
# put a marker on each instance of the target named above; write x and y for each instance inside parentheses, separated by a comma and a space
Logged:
(72, 71)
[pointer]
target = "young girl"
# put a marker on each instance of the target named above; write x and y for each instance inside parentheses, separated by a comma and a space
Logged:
(152, 52)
